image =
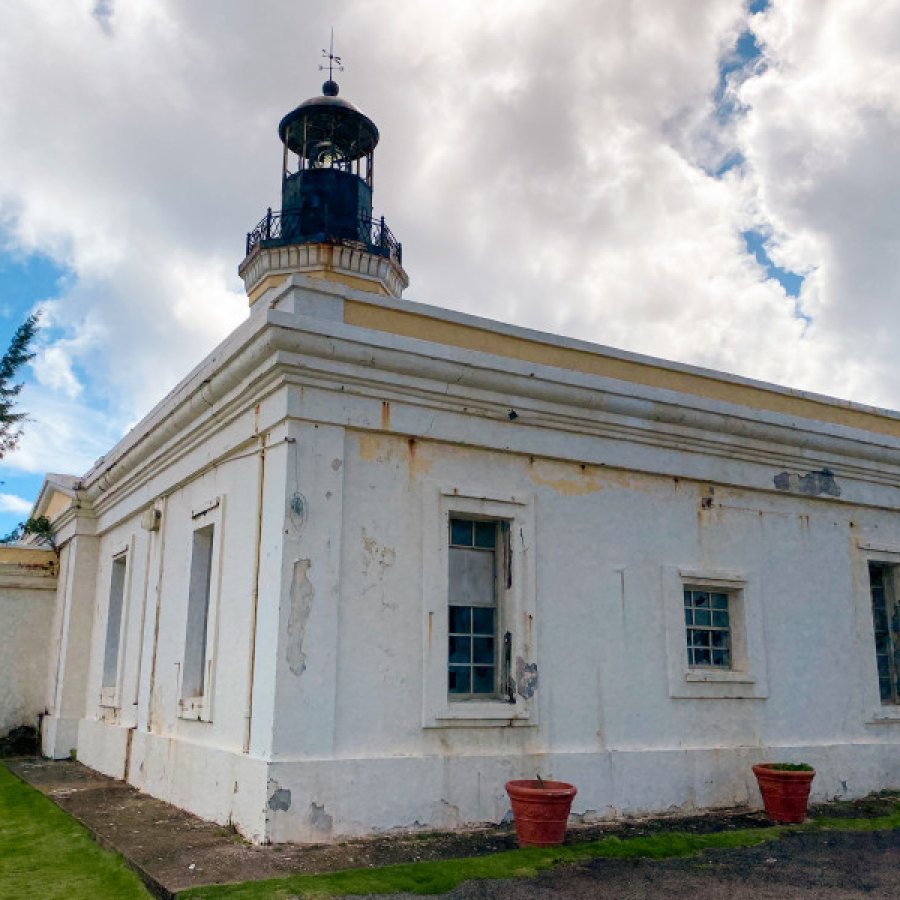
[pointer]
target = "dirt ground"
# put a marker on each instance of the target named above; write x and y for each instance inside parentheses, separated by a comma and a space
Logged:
(850, 866)
(173, 850)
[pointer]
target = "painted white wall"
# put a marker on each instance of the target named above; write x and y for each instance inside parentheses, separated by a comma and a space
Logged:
(326, 575)
(605, 541)
(26, 612)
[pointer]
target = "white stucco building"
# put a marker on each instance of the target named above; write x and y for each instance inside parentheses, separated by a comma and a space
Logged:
(372, 558)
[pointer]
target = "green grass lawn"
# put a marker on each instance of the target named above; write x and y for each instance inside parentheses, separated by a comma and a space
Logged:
(45, 854)
(444, 875)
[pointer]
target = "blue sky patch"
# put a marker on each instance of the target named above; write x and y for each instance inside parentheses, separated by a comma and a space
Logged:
(25, 281)
(733, 160)
(19, 484)
(790, 281)
(742, 58)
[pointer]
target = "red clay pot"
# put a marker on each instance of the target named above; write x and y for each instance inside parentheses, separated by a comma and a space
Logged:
(540, 810)
(785, 794)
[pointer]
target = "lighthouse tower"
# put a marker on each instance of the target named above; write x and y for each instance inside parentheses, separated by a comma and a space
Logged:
(325, 227)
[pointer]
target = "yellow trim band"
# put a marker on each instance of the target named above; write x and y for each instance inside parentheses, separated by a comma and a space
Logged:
(469, 337)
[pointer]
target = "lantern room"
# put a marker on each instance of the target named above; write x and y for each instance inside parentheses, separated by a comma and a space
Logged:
(326, 220)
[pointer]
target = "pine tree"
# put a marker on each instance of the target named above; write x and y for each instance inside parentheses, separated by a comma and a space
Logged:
(17, 354)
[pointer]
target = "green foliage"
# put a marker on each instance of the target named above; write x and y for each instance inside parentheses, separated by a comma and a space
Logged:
(39, 527)
(790, 767)
(47, 855)
(17, 354)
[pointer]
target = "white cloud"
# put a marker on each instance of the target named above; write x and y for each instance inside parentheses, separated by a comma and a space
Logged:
(62, 435)
(12, 503)
(53, 369)
(821, 144)
(543, 163)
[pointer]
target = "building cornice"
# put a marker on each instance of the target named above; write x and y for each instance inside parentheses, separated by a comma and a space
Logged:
(449, 327)
(274, 347)
(447, 371)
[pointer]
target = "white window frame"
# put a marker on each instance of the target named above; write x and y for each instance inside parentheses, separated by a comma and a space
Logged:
(877, 712)
(747, 678)
(516, 607)
(200, 707)
(110, 695)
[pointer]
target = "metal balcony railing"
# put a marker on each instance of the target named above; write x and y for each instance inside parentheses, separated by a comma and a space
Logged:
(288, 226)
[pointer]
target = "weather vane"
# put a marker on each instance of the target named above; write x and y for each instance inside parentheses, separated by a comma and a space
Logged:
(334, 62)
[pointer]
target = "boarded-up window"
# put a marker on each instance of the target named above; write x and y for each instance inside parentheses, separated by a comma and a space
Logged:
(114, 621)
(193, 680)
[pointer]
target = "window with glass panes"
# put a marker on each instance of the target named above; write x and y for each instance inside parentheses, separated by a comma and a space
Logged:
(708, 628)
(473, 608)
(886, 619)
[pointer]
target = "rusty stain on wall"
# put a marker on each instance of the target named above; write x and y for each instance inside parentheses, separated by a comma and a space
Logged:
(419, 462)
(564, 479)
(380, 448)
(813, 483)
(302, 594)
(375, 448)
(526, 678)
(385, 416)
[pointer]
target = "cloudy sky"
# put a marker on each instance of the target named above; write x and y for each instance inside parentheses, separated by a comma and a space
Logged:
(710, 181)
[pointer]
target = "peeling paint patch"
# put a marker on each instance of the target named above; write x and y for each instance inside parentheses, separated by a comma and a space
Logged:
(319, 819)
(302, 594)
(813, 483)
(377, 559)
(526, 678)
(445, 815)
(378, 554)
(280, 800)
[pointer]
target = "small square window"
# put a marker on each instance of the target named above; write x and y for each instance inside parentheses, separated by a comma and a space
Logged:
(714, 635)
(708, 629)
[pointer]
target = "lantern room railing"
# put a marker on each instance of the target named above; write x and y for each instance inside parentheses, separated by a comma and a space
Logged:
(287, 227)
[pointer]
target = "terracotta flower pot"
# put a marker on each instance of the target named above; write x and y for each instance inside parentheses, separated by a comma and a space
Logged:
(785, 793)
(540, 810)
